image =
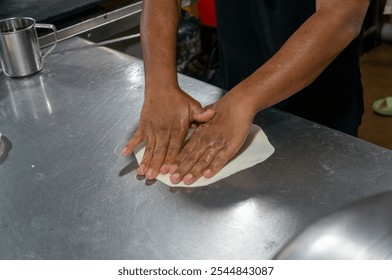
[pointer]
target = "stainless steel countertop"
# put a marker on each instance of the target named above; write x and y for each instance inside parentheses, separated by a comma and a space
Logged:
(66, 193)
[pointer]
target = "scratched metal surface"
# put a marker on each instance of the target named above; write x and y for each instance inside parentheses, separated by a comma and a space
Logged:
(65, 193)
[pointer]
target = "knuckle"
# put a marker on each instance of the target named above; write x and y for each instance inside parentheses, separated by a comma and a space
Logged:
(162, 130)
(190, 159)
(200, 167)
(173, 149)
(177, 131)
(159, 151)
(218, 163)
(218, 143)
(202, 163)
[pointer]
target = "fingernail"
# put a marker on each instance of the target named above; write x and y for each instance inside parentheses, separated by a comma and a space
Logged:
(125, 152)
(188, 179)
(172, 169)
(150, 174)
(207, 173)
(141, 170)
(175, 178)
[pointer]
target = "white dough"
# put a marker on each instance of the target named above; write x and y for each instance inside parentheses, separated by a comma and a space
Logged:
(256, 149)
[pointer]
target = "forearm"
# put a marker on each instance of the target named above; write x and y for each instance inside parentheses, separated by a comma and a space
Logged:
(304, 56)
(159, 24)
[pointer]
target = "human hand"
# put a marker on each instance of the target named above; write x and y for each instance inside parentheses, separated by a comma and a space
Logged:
(164, 122)
(213, 143)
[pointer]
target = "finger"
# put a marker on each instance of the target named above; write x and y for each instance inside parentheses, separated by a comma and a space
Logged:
(180, 157)
(158, 156)
(198, 169)
(172, 152)
(132, 143)
(192, 144)
(148, 154)
(173, 149)
(203, 116)
(187, 158)
(217, 164)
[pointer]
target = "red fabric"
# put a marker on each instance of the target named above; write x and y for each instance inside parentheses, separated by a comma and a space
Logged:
(207, 12)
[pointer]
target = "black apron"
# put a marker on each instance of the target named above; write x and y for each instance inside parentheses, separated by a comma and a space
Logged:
(252, 31)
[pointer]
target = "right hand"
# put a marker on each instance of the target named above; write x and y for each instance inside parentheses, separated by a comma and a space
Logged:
(164, 122)
(215, 142)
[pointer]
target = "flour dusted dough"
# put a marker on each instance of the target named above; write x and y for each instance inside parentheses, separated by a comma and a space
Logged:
(256, 149)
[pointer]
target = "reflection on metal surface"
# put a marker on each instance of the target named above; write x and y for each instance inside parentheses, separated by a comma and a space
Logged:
(134, 76)
(185, 3)
(360, 231)
(245, 212)
(34, 104)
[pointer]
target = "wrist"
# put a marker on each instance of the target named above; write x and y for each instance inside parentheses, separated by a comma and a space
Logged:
(244, 100)
(161, 83)
(161, 80)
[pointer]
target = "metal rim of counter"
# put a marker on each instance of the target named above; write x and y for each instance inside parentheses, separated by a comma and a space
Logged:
(105, 25)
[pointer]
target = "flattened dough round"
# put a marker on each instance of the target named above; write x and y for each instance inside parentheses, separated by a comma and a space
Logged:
(256, 149)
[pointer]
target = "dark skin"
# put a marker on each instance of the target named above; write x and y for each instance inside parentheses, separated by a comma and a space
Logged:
(168, 111)
(162, 129)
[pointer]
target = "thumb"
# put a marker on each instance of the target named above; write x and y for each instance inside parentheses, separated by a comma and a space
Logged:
(203, 115)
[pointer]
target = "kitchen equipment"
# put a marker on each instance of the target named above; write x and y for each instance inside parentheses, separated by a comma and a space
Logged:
(20, 52)
(362, 230)
(99, 44)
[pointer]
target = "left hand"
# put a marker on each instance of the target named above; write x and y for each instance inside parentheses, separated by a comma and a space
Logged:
(213, 143)
(164, 122)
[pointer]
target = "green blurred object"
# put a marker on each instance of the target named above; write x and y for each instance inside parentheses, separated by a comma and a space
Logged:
(383, 106)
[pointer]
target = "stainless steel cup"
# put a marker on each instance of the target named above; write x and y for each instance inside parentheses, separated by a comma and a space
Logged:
(20, 52)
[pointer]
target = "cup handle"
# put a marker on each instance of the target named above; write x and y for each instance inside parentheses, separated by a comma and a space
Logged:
(48, 26)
